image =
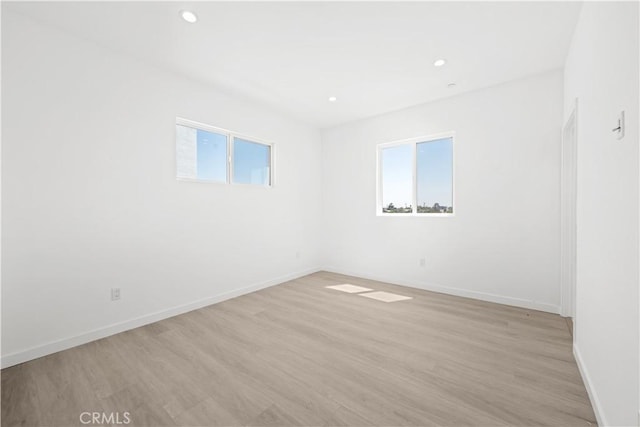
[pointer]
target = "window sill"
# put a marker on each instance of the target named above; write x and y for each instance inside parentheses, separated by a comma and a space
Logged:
(235, 184)
(417, 215)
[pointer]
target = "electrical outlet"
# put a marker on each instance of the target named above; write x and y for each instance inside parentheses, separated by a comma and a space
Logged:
(423, 262)
(298, 255)
(115, 294)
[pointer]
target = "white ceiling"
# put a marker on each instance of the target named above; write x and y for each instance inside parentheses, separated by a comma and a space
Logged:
(374, 57)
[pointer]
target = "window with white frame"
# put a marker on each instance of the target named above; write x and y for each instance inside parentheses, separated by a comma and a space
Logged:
(415, 176)
(209, 154)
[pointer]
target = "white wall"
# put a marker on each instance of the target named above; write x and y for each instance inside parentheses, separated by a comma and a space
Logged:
(91, 201)
(503, 243)
(602, 72)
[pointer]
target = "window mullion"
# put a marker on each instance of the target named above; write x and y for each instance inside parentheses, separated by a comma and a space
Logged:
(230, 158)
(414, 193)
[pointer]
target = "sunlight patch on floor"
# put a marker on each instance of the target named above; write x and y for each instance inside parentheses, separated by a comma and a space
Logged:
(352, 289)
(385, 296)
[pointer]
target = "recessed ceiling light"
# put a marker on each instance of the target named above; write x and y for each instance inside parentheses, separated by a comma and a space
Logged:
(451, 85)
(332, 99)
(189, 16)
(439, 62)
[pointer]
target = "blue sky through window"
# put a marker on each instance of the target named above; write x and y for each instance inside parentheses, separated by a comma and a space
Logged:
(397, 175)
(251, 162)
(211, 156)
(434, 170)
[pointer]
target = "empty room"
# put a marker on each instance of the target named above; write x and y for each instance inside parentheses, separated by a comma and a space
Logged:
(320, 213)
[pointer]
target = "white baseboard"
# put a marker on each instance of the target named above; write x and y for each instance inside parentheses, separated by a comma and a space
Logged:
(96, 334)
(593, 396)
(517, 302)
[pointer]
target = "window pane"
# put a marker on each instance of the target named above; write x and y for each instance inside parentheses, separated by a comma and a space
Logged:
(201, 154)
(212, 156)
(251, 162)
(397, 179)
(186, 149)
(434, 165)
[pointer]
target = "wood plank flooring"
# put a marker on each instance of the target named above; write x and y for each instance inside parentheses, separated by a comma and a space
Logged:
(298, 354)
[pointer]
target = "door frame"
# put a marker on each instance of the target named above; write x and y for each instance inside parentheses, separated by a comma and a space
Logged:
(568, 217)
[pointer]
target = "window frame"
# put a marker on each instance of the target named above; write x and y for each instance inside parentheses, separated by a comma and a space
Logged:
(414, 189)
(231, 136)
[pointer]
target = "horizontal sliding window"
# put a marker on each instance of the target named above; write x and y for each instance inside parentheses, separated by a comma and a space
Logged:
(208, 154)
(415, 177)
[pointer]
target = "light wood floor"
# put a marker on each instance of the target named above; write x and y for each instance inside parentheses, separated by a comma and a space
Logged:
(298, 354)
